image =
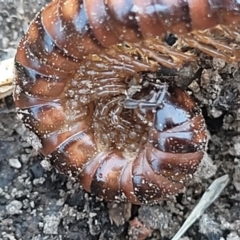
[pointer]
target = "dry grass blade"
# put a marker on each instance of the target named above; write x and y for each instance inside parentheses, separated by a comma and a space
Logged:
(212, 193)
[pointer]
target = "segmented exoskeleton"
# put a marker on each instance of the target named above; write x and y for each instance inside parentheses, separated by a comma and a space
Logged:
(81, 90)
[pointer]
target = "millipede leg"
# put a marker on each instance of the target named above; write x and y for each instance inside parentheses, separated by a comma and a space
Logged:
(158, 97)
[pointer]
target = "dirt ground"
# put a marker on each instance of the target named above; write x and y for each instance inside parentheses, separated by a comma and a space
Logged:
(36, 203)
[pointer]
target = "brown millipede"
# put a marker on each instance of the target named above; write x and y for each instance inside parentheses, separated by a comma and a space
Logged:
(81, 89)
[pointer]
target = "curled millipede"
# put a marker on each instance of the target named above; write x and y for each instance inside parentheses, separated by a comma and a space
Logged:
(81, 89)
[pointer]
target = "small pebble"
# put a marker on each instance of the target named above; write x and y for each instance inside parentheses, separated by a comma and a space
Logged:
(237, 149)
(5, 42)
(51, 224)
(24, 158)
(211, 229)
(15, 163)
(14, 207)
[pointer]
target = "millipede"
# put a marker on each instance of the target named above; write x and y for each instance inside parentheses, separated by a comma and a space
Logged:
(82, 88)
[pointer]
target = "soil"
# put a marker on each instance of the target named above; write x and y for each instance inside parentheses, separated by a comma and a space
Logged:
(36, 202)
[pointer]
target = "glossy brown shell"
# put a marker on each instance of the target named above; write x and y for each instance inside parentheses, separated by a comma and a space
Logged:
(79, 64)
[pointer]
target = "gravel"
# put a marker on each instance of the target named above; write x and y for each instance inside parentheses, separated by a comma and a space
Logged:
(37, 202)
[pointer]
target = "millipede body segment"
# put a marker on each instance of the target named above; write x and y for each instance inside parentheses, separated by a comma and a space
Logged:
(82, 91)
